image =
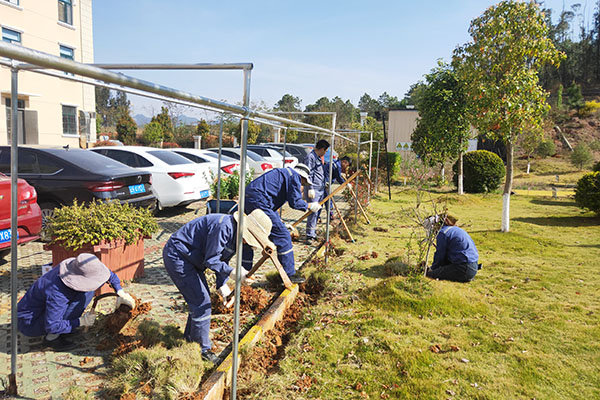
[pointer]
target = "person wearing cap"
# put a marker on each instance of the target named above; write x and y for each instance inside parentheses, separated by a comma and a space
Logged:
(314, 192)
(209, 242)
(338, 168)
(269, 192)
(456, 257)
(53, 306)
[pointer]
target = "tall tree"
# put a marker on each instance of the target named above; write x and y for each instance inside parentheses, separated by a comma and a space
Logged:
(288, 103)
(500, 67)
(164, 119)
(443, 129)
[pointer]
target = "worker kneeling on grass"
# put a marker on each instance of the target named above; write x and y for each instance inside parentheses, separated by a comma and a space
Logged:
(210, 242)
(53, 306)
(269, 192)
(456, 257)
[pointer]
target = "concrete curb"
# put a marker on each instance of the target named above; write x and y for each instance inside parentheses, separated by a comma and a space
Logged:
(214, 387)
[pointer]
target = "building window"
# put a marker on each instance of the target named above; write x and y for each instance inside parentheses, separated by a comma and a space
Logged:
(65, 11)
(69, 115)
(15, 2)
(67, 52)
(10, 36)
(20, 103)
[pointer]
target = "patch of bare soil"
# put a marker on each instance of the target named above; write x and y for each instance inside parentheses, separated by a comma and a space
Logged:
(251, 300)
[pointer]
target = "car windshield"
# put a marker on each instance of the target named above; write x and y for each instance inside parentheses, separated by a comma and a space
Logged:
(88, 160)
(254, 156)
(169, 157)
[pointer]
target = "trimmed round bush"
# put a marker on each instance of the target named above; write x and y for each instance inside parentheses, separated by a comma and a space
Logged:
(483, 171)
(546, 149)
(587, 193)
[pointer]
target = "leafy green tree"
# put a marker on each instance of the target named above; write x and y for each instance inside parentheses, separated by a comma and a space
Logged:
(443, 130)
(126, 129)
(369, 105)
(415, 94)
(581, 156)
(202, 129)
(546, 148)
(110, 105)
(500, 67)
(165, 121)
(574, 97)
(153, 134)
(529, 142)
(288, 103)
(253, 132)
(184, 135)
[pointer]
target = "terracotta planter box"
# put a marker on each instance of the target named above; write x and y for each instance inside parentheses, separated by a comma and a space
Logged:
(126, 260)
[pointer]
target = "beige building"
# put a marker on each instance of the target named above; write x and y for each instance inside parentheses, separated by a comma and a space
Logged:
(52, 111)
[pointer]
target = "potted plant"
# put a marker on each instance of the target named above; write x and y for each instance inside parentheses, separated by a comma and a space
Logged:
(230, 187)
(112, 231)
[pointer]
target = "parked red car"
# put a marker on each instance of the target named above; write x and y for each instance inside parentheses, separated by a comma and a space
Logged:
(29, 215)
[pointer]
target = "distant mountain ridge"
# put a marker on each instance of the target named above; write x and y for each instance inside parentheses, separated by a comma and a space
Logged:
(141, 120)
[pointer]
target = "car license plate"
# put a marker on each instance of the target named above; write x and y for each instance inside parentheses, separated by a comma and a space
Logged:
(5, 235)
(204, 194)
(135, 189)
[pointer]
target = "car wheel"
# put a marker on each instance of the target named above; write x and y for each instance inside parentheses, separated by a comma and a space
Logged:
(47, 212)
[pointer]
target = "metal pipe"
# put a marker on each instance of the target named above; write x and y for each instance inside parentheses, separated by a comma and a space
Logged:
(377, 169)
(303, 112)
(327, 209)
(370, 157)
(357, 178)
(219, 166)
(49, 61)
(204, 66)
(240, 241)
(14, 199)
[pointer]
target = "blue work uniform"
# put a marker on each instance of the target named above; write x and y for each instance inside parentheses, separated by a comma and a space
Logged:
(50, 306)
(336, 170)
(205, 242)
(269, 192)
(455, 257)
(317, 176)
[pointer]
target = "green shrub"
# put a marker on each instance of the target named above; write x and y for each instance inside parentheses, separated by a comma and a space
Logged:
(587, 192)
(230, 185)
(395, 163)
(79, 225)
(153, 133)
(595, 145)
(546, 149)
(574, 97)
(581, 156)
(483, 171)
(126, 129)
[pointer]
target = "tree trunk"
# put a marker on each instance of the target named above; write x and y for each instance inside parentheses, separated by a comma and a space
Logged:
(460, 173)
(528, 165)
(443, 173)
(507, 187)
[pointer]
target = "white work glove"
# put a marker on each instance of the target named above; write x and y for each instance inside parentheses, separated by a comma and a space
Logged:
(289, 227)
(87, 319)
(314, 207)
(124, 298)
(349, 186)
(224, 291)
(245, 279)
(311, 194)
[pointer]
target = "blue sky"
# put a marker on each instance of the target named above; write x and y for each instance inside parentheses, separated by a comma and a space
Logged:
(309, 49)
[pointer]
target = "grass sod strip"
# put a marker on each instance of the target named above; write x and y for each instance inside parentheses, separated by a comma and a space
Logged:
(526, 327)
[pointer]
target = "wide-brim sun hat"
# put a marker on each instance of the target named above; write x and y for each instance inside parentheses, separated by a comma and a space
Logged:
(256, 225)
(83, 273)
(303, 171)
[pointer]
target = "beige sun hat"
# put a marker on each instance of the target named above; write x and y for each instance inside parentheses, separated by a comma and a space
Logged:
(83, 273)
(256, 224)
(303, 171)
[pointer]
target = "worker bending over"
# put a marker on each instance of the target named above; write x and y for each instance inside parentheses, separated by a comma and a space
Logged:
(53, 306)
(268, 193)
(314, 192)
(209, 242)
(456, 257)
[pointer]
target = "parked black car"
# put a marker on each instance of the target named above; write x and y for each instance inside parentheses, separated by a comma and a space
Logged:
(298, 151)
(60, 175)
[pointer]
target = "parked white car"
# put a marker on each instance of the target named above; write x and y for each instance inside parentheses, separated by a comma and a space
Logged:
(253, 160)
(274, 156)
(210, 159)
(176, 181)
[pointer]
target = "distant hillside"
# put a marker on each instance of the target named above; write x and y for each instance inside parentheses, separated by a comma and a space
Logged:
(141, 120)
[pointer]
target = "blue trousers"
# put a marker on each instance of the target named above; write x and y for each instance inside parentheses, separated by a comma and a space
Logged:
(194, 288)
(311, 220)
(454, 272)
(280, 237)
(37, 325)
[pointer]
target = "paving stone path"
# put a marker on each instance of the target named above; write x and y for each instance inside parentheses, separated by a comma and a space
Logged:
(45, 374)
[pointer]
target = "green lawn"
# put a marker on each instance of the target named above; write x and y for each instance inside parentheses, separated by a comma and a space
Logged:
(526, 327)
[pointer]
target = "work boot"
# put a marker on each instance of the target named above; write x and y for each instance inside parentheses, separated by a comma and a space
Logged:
(59, 344)
(311, 241)
(297, 278)
(210, 356)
